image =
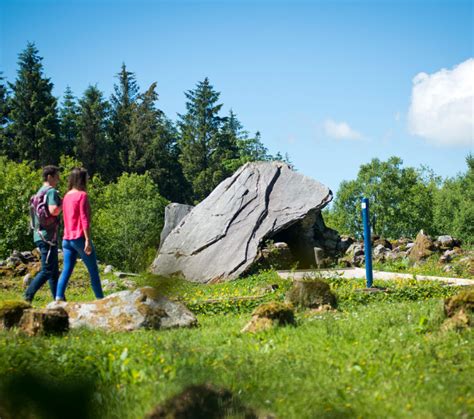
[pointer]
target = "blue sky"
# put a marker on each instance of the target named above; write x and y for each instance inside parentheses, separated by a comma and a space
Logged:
(329, 82)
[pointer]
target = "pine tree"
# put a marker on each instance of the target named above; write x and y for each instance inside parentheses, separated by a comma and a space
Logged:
(68, 115)
(142, 130)
(34, 122)
(252, 149)
(123, 106)
(153, 148)
(225, 157)
(5, 138)
(199, 133)
(93, 146)
(164, 167)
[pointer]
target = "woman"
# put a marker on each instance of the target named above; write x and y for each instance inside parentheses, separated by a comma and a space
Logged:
(77, 237)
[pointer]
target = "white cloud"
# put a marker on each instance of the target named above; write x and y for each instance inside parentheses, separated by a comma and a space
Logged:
(442, 105)
(340, 130)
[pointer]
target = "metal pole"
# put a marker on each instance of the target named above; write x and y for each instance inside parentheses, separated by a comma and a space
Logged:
(367, 242)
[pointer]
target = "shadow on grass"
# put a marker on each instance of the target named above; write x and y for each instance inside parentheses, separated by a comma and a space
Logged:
(26, 395)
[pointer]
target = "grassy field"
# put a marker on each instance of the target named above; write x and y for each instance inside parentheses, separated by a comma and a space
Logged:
(378, 355)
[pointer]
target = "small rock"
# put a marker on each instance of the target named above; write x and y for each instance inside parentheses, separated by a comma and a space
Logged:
(13, 261)
(11, 313)
(108, 269)
(380, 251)
(280, 245)
(448, 268)
(44, 321)
(129, 284)
(27, 280)
(445, 241)
(310, 294)
(383, 242)
(267, 315)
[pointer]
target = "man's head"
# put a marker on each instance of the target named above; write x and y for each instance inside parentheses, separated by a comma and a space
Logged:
(51, 175)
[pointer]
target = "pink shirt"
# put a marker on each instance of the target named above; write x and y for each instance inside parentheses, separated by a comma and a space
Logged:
(76, 214)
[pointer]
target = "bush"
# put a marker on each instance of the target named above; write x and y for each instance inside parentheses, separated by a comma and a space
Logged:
(127, 221)
(19, 182)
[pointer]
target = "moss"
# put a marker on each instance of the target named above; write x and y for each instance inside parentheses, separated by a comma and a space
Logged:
(462, 301)
(275, 310)
(311, 294)
(12, 305)
(11, 312)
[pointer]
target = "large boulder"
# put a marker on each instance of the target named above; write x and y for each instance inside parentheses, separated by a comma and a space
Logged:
(174, 213)
(220, 238)
(129, 310)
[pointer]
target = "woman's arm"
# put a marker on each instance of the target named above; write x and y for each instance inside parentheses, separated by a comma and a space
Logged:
(84, 210)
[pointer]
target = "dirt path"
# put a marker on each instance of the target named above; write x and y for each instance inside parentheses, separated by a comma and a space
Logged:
(359, 273)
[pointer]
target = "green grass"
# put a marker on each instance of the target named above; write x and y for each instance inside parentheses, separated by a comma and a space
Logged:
(379, 355)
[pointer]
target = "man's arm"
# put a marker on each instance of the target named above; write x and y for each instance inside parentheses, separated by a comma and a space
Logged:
(54, 203)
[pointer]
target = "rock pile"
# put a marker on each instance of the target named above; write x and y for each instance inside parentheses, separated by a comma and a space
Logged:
(20, 264)
(414, 251)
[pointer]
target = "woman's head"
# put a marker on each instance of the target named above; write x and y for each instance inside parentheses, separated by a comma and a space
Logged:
(78, 179)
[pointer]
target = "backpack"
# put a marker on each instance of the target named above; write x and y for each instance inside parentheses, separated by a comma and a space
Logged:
(39, 211)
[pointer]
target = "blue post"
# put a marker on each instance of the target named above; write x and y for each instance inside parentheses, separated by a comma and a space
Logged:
(367, 243)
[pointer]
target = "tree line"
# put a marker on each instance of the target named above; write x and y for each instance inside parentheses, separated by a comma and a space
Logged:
(404, 200)
(127, 133)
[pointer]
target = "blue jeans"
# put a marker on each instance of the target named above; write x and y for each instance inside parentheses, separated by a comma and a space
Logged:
(71, 250)
(49, 270)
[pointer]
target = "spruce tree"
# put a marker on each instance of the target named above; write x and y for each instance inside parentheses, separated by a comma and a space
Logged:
(123, 105)
(68, 115)
(93, 146)
(34, 122)
(225, 156)
(5, 139)
(164, 167)
(153, 148)
(199, 134)
(142, 130)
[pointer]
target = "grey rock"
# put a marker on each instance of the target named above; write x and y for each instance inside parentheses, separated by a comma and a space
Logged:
(174, 214)
(108, 269)
(280, 245)
(129, 284)
(220, 238)
(445, 241)
(380, 251)
(355, 249)
(128, 310)
(13, 261)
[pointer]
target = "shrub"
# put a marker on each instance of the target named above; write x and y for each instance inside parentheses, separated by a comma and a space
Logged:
(127, 221)
(19, 182)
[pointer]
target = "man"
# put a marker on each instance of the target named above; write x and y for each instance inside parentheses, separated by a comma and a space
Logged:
(46, 238)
